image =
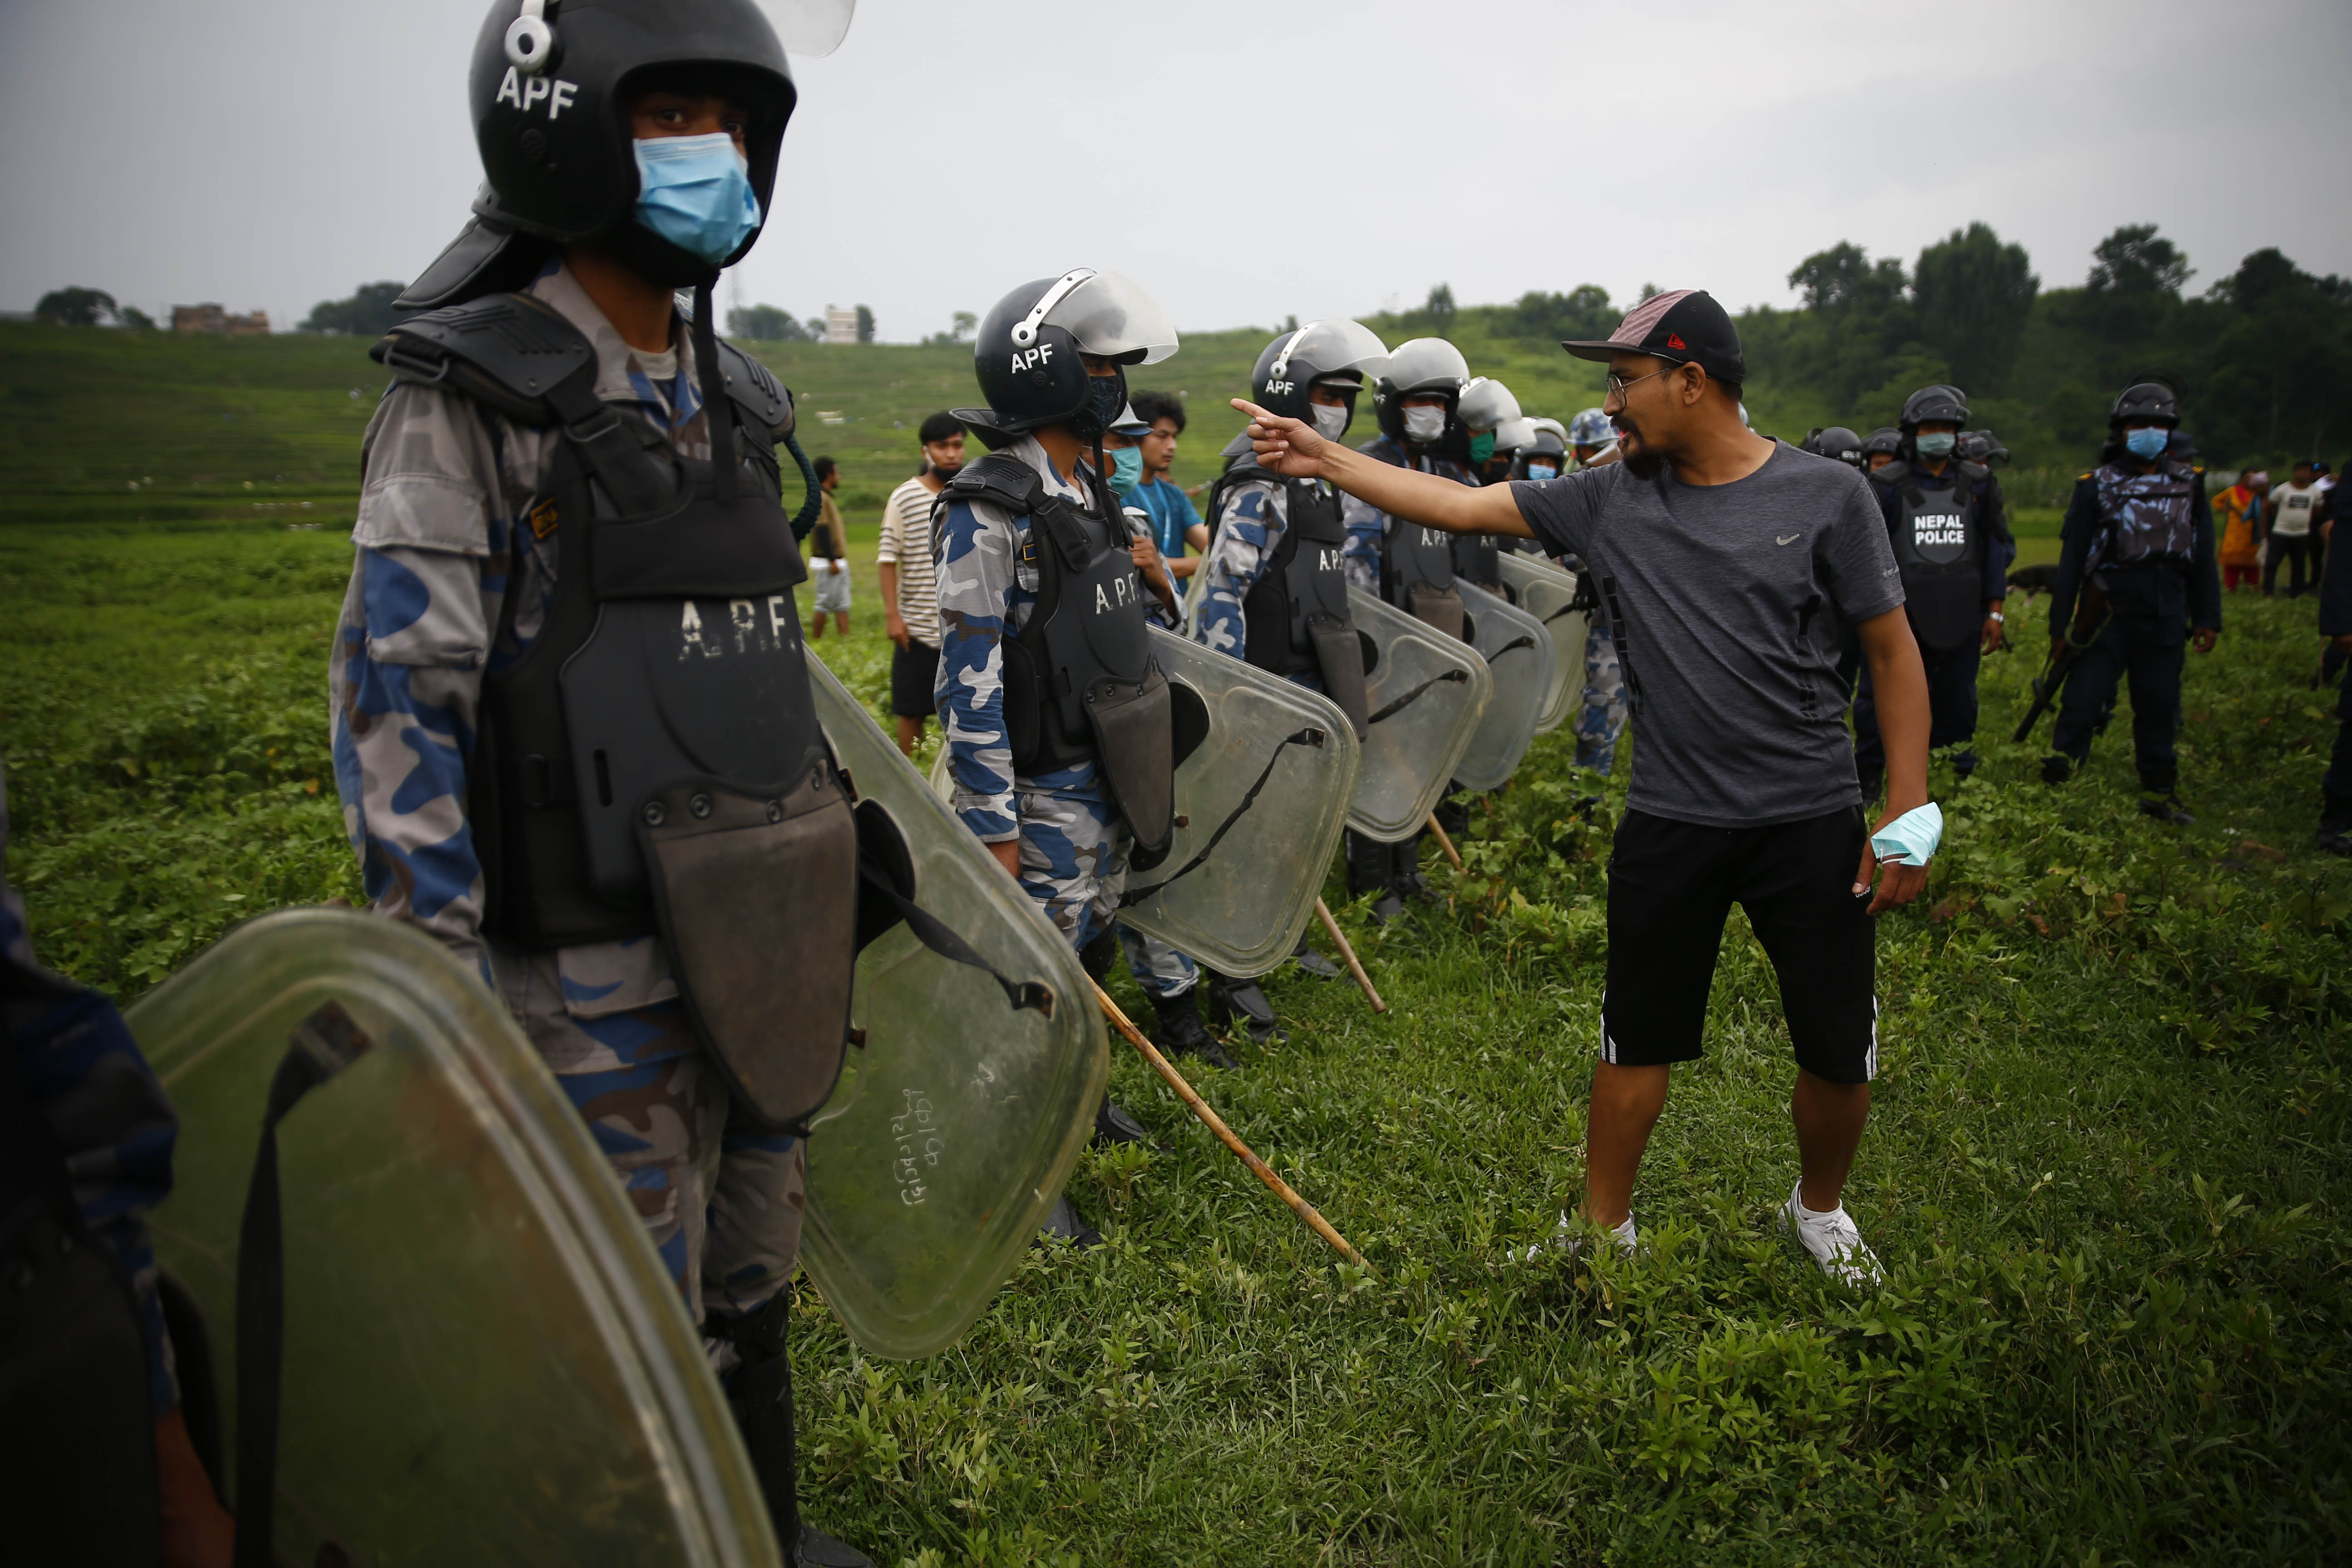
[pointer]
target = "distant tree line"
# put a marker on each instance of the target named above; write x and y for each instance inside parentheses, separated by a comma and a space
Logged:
(80, 307)
(368, 313)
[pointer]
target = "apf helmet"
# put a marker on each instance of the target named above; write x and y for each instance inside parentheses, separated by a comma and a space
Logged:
(1549, 447)
(1590, 429)
(550, 88)
(1555, 427)
(1836, 441)
(1485, 405)
(1026, 353)
(1885, 439)
(1334, 351)
(1419, 367)
(2145, 402)
(1939, 402)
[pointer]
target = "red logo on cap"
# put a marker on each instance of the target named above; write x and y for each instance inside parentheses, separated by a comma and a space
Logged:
(1674, 340)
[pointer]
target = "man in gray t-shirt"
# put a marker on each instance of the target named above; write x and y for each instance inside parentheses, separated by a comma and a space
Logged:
(1730, 568)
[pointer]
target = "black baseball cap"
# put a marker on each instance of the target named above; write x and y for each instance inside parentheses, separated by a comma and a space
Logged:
(1685, 326)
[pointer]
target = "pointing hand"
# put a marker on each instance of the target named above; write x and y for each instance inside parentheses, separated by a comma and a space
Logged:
(1289, 446)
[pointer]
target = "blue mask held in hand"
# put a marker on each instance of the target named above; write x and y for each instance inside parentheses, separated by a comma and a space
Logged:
(1938, 445)
(1542, 471)
(1482, 446)
(2147, 441)
(696, 193)
(1126, 469)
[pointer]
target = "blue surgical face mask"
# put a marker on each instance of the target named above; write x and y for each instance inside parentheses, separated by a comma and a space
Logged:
(1938, 445)
(2147, 441)
(1542, 471)
(696, 193)
(1126, 469)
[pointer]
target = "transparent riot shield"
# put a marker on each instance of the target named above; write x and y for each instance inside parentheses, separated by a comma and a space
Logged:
(1518, 655)
(1545, 591)
(956, 1121)
(484, 1361)
(1259, 803)
(1426, 692)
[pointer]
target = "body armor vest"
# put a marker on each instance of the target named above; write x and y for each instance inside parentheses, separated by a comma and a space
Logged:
(653, 762)
(1080, 680)
(1939, 544)
(1294, 617)
(2147, 518)
(1417, 566)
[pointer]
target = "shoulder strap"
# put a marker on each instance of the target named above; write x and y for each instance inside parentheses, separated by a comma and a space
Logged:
(761, 400)
(1973, 473)
(508, 350)
(1897, 477)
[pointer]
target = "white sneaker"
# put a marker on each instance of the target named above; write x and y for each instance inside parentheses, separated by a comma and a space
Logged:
(1627, 1239)
(1832, 1238)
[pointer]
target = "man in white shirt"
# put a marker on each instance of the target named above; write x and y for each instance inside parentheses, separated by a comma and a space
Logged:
(909, 592)
(2291, 509)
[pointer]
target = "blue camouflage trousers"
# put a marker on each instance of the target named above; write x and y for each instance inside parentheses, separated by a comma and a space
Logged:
(1161, 971)
(1601, 719)
(721, 1199)
(1073, 856)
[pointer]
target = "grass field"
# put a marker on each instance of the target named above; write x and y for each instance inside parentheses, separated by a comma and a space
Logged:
(2107, 1170)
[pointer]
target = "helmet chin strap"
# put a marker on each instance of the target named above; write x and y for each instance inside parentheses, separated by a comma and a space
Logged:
(718, 411)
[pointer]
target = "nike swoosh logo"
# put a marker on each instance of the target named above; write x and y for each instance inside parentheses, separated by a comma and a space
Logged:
(1791, 539)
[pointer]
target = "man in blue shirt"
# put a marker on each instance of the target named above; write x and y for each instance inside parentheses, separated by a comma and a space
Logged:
(1175, 522)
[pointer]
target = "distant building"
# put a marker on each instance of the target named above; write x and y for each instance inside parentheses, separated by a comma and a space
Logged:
(214, 318)
(840, 325)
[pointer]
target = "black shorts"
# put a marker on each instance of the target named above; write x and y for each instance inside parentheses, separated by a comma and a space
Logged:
(914, 670)
(1671, 887)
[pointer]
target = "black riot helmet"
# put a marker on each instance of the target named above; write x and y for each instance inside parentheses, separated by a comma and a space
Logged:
(2145, 403)
(1946, 403)
(1983, 447)
(1422, 366)
(1334, 353)
(1836, 441)
(550, 90)
(1885, 439)
(1026, 353)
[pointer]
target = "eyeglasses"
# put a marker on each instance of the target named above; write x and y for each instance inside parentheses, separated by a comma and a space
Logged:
(1617, 383)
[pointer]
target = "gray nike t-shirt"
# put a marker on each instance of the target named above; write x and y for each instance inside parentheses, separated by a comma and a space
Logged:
(1732, 602)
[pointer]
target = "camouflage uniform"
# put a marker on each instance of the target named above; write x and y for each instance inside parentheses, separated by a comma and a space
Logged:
(455, 518)
(1074, 843)
(1602, 719)
(1368, 526)
(107, 1113)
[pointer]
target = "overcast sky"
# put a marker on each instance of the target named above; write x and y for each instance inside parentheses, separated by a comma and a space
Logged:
(1242, 159)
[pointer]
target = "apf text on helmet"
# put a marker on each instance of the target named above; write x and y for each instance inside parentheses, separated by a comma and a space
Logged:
(1024, 360)
(524, 92)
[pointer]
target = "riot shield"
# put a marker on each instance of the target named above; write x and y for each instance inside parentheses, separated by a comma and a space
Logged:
(1260, 803)
(1518, 655)
(484, 1361)
(1426, 692)
(1546, 592)
(958, 1120)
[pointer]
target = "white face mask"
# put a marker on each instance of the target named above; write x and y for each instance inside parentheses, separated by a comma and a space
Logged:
(1423, 426)
(1329, 423)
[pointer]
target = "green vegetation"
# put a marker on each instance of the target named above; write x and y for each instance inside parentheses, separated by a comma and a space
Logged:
(2107, 1171)
(2108, 1168)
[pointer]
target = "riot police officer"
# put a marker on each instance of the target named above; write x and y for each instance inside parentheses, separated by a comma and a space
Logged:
(1951, 532)
(1836, 441)
(2136, 580)
(1059, 720)
(1415, 402)
(1880, 447)
(1600, 714)
(564, 472)
(1273, 588)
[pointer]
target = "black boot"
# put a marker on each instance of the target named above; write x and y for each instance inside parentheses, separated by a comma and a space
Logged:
(1063, 1223)
(1181, 1031)
(1369, 867)
(2336, 824)
(1452, 814)
(1965, 761)
(2165, 807)
(1404, 870)
(2057, 768)
(759, 1397)
(1230, 998)
(1113, 1125)
(1314, 962)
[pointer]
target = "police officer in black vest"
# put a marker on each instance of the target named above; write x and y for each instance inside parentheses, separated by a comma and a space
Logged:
(1951, 539)
(2136, 575)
